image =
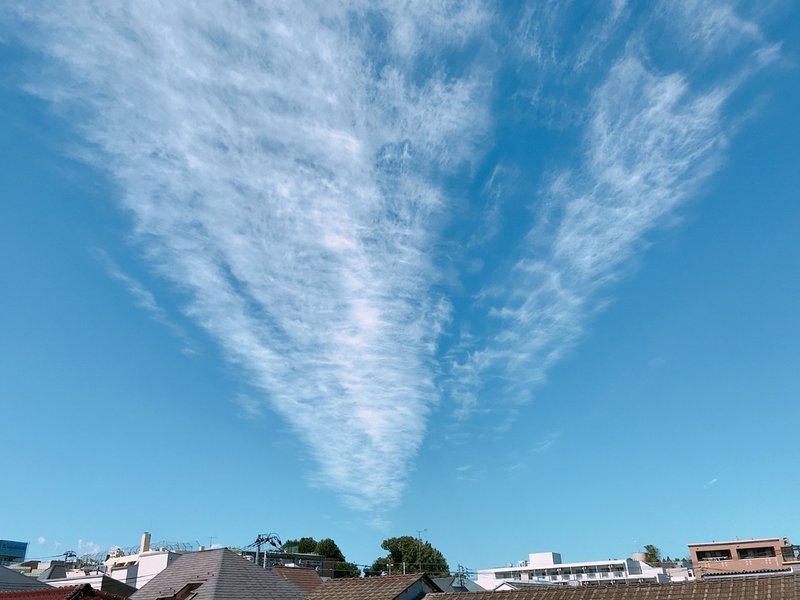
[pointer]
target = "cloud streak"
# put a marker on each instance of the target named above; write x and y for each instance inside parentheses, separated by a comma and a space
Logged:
(278, 165)
(651, 139)
(284, 167)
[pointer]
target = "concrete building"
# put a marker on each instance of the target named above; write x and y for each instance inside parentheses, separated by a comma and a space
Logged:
(12, 552)
(136, 570)
(743, 557)
(546, 568)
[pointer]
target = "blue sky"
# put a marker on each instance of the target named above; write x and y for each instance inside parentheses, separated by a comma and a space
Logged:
(524, 277)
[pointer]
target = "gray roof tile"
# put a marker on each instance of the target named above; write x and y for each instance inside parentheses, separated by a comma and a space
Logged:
(221, 575)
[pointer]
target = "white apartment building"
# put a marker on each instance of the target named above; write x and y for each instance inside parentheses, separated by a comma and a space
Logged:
(546, 568)
(138, 569)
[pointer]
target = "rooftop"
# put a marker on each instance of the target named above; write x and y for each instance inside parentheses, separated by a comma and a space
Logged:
(775, 587)
(371, 588)
(217, 575)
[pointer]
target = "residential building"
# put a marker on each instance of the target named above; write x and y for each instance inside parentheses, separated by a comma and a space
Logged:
(137, 569)
(98, 581)
(774, 587)
(12, 552)
(321, 564)
(457, 583)
(79, 592)
(546, 568)
(12, 580)
(389, 587)
(741, 557)
(217, 575)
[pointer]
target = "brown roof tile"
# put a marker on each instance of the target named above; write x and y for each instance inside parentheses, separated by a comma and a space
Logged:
(60, 593)
(774, 587)
(302, 577)
(370, 588)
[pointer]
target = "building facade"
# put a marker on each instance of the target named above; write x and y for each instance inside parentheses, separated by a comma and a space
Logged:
(546, 568)
(741, 557)
(12, 552)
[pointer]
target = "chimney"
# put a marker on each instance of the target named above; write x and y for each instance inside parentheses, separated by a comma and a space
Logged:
(145, 545)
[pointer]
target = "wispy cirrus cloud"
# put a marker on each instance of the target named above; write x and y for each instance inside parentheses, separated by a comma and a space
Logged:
(283, 164)
(278, 161)
(651, 138)
(145, 299)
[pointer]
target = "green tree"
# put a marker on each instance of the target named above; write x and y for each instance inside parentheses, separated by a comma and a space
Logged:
(412, 554)
(329, 549)
(651, 554)
(305, 545)
(346, 569)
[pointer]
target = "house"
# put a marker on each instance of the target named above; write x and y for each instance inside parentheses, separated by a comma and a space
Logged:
(742, 557)
(137, 569)
(78, 592)
(390, 587)
(775, 587)
(457, 583)
(547, 568)
(11, 580)
(324, 566)
(217, 575)
(98, 581)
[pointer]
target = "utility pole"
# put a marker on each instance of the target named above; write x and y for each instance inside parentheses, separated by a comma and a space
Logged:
(266, 538)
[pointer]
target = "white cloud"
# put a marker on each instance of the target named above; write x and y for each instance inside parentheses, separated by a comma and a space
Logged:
(41, 541)
(651, 139)
(546, 443)
(251, 407)
(87, 547)
(280, 163)
(277, 174)
(710, 482)
(145, 299)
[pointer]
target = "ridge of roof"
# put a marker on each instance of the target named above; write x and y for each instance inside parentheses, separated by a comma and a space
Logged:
(222, 575)
(772, 587)
(386, 587)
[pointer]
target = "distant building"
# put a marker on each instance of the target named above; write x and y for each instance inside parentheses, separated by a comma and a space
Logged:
(773, 587)
(138, 569)
(546, 568)
(12, 552)
(743, 557)
(217, 575)
(323, 566)
(13, 581)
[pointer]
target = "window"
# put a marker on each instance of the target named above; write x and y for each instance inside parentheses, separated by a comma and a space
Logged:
(791, 553)
(185, 593)
(763, 552)
(711, 555)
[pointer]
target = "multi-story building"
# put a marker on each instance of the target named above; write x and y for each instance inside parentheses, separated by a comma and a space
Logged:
(12, 552)
(137, 569)
(741, 557)
(547, 568)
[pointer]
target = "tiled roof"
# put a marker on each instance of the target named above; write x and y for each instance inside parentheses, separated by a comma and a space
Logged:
(11, 580)
(307, 579)
(218, 575)
(776, 587)
(370, 588)
(62, 593)
(453, 583)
